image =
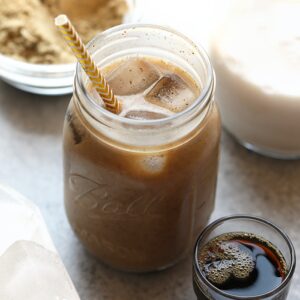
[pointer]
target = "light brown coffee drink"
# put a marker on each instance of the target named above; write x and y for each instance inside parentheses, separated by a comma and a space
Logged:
(140, 186)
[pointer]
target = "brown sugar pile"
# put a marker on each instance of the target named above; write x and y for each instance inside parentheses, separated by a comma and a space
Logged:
(27, 30)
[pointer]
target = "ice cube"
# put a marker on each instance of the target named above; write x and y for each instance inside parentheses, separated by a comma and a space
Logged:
(144, 115)
(20, 220)
(29, 271)
(172, 93)
(153, 164)
(133, 76)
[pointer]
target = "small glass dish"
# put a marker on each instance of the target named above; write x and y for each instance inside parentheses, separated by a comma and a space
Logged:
(45, 79)
(260, 228)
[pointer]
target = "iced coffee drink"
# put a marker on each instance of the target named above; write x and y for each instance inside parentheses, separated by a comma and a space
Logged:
(141, 184)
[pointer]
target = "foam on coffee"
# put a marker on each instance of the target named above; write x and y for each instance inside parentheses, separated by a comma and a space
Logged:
(228, 258)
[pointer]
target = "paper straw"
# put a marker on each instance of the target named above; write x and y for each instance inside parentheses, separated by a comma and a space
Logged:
(84, 58)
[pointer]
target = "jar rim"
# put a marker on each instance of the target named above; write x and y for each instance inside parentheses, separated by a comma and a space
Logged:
(202, 99)
(219, 221)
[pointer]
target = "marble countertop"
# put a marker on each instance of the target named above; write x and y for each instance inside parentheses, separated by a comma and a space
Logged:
(31, 162)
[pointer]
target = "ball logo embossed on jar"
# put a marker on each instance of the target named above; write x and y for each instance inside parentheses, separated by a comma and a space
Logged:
(97, 199)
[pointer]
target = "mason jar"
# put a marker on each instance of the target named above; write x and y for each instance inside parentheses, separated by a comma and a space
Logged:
(138, 191)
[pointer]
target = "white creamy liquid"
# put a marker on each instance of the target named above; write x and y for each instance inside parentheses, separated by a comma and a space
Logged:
(256, 56)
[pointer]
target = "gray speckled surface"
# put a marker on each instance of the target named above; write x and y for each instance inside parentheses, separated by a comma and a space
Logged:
(30, 160)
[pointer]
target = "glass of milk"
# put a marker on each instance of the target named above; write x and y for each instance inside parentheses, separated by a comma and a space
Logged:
(256, 56)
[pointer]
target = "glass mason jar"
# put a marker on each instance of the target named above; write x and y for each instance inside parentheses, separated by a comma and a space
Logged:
(245, 224)
(137, 191)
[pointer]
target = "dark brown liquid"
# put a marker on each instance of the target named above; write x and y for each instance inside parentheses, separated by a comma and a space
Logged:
(242, 264)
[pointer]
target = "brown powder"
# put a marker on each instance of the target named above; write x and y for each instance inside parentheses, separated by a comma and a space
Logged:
(27, 31)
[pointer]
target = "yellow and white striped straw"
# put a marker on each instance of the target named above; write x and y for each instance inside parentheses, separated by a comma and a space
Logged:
(74, 41)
